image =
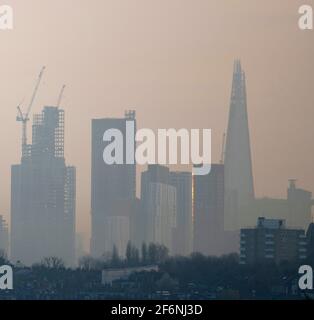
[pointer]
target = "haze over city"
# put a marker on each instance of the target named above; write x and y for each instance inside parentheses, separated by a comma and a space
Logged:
(172, 62)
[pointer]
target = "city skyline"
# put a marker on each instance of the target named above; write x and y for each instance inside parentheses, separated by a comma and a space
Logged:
(202, 97)
(43, 196)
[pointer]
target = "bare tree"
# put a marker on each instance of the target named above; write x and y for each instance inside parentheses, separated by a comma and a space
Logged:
(90, 263)
(3, 257)
(52, 263)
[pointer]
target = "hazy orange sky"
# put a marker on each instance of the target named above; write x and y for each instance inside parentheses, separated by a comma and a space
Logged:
(171, 60)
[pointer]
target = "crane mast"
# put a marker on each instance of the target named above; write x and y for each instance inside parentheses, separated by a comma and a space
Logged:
(60, 96)
(24, 117)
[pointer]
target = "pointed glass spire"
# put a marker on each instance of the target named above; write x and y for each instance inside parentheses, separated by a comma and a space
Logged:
(239, 189)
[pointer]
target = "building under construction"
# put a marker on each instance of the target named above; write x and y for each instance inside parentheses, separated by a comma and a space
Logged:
(43, 195)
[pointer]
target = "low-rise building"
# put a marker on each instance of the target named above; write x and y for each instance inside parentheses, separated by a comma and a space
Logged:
(110, 275)
(272, 241)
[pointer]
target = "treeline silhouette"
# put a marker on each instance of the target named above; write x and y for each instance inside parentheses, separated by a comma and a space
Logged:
(149, 254)
(195, 274)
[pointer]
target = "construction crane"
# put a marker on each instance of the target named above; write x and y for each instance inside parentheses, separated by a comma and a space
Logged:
(24, 117)
(222, 157)
(60, 96)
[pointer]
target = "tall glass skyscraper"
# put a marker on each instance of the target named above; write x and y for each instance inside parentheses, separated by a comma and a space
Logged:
(239, 189)
(113, 187)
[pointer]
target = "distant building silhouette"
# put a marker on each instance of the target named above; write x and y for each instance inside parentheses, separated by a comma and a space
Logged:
(210, 238)
(310, 241)
(113, 190)
(79, 246)
(120, 225)
(43, 193)
(296, 209)
(4, 236)
(183, 237)
(300, 205)
(270, 241)
(239, 189)
(159, 207)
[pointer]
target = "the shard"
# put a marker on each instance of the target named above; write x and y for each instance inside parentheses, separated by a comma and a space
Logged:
(239, 189)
